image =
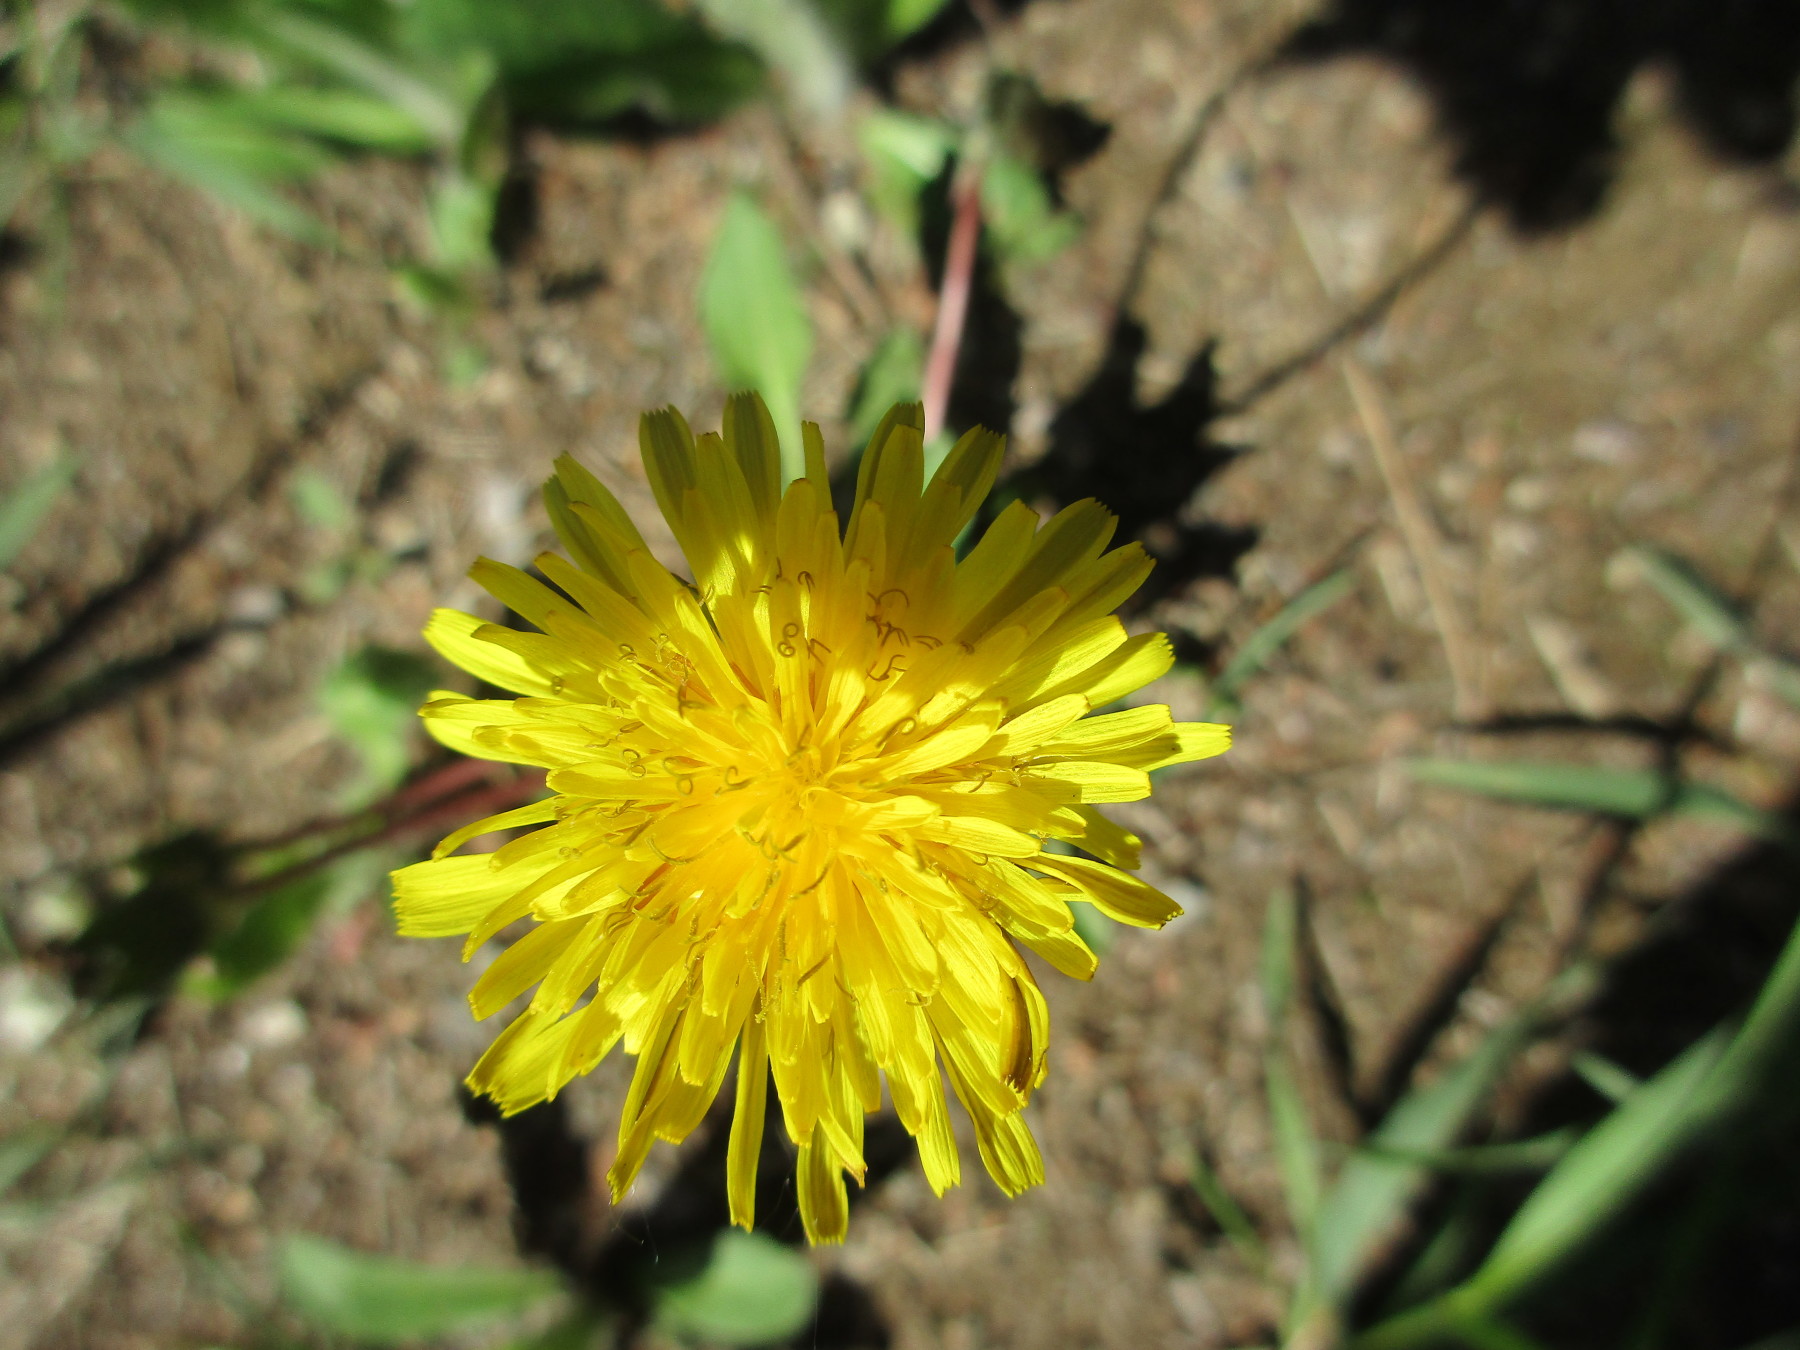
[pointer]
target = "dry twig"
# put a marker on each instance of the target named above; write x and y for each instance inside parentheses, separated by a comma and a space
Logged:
(1422, 539)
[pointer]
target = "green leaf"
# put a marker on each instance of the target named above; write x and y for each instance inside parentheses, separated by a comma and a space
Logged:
(581, 63)
(23, 1150)
(240, 164)
(752, 1291)
(893, 375)
(462, 223)
(270, 932)
(1761, 1051)
(1094, 928)
(755, 318)
(26, 505)
(432, 290)
(908, 16)
(1256, 650)
(1022, 220)
(792, 39)
(1717, 1080)
(371, 701)
(1450, 1249)
(902, 153)
(1635, 794)
(319, 502)
(348, 116)
(1375, 1186)
(213, 126)
(385, 1302)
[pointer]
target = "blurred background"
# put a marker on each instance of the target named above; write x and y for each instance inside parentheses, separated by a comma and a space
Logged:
(1447, 357)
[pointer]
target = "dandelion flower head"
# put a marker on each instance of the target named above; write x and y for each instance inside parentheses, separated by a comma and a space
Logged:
(803, 809)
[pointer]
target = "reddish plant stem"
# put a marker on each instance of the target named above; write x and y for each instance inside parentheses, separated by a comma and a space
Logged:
(440, 782)
(436, 815)
(953, 298)
(433, 785)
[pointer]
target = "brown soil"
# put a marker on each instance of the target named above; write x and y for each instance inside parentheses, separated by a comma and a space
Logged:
(1633, 378)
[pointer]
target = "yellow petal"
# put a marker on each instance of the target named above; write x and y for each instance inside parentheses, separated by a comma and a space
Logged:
(1112, 892)
(1097, 782)
(1108, 841)
(447, 896)
(533, 813)
(1196, 740)
(520, 966)
(452, 633)
(824, 1202)
(745, 1146)
(751, 439)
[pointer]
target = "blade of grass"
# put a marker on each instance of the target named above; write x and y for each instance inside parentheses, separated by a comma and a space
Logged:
(1635, 794)
(29, 503)
(1225, 1211)
(354, 61)
(1260, 647)
(349, 116)
(1610, 1080)
(1713, 617)
(1296, 1146)
(1448, 1253)
(240, 165)
(1536, 1154)
(1704, 609)
(1281, 927)
(1373, 1191)
(1719, 1077)
(1601, 1173)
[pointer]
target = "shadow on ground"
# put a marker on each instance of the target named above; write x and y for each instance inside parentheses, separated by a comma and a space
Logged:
(1145, 461)
(619, 1258)
(1529, 90)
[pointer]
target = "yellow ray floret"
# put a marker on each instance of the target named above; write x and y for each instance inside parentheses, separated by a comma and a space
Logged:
(802, 806)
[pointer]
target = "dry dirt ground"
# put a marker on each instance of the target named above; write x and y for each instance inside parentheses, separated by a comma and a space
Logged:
(1474, 445)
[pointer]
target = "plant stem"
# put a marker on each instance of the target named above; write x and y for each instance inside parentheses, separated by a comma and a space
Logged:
(436, 812)
(953, 298)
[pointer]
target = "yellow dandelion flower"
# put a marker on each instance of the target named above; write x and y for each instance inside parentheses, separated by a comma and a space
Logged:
(803, 806)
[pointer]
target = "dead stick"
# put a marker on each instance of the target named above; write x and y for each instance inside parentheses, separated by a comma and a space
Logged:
(1421, 535)
(953, 299)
